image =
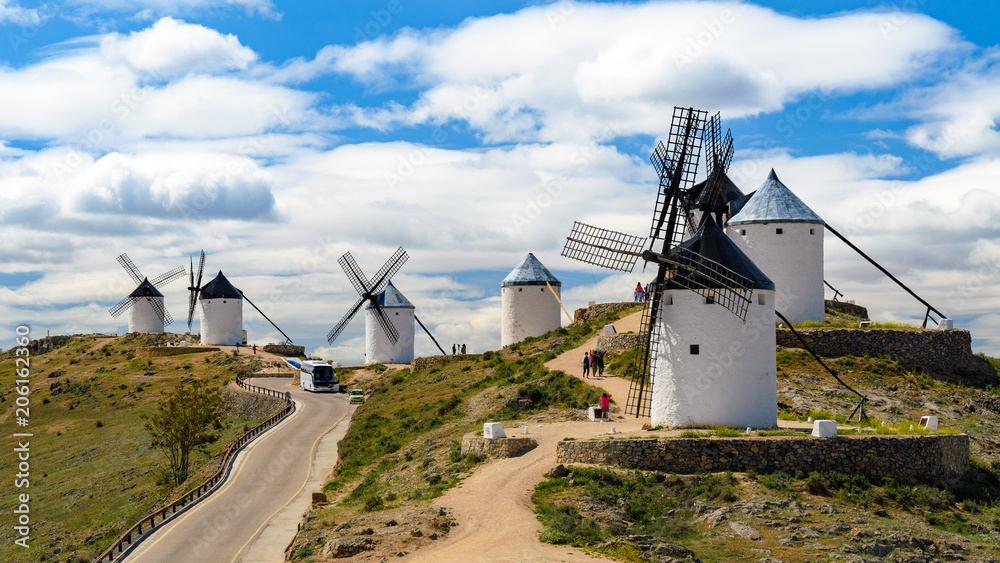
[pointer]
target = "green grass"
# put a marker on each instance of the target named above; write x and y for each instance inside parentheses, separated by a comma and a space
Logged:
(93, 471)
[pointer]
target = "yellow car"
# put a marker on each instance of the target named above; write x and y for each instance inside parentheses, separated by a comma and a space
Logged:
(356, 396)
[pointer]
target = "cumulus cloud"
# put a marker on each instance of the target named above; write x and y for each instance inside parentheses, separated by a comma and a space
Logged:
(205, 186)
(10, 12)
(174, 47)
(578, 66)
(157, 8)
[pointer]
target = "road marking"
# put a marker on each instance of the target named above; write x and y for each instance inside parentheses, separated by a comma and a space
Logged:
(312, 455)
(229, 482)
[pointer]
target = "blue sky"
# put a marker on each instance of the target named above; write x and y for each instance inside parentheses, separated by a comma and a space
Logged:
(277, 136)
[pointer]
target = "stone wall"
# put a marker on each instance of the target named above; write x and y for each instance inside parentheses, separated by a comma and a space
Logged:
(620, 341)
(849, 308)
(287, 350)
(159, 351)
(909, 458)
(937, 352)
(244, 404)
(581, 316)
(497, 447)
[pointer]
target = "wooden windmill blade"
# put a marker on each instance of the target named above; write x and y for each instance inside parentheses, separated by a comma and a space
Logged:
(195, 288)
(712, 280)
(168, 277)
(383, 320)
(603, 247)
(640, 373)
(161, 311)
(134, 272)
(342, 324)
(717, 158)
(121, 306)
(676, 163)
(368, 291)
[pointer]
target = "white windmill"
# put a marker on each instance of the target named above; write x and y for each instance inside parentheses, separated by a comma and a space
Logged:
(701, 364)
(221, 308)
(784, 237)
(529, 302)
(147, 312)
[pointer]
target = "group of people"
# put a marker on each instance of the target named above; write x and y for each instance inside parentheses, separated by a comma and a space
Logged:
(593, 363)
(641, 293)
(455, 348)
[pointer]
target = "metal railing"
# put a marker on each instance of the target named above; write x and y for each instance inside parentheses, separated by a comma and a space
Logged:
(149, 523)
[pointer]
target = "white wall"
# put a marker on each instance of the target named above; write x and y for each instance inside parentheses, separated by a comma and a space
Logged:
(527, 310)
(221, 321)
(142, 316)
(793, 260)
(378, 348)
(732, 381)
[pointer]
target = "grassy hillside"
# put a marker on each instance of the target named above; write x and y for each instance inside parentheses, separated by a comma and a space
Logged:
(402, 451)
(93, 473)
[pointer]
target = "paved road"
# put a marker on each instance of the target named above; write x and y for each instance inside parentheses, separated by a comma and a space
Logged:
(253, 517)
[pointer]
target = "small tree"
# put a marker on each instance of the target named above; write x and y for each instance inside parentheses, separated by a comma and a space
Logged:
(186, 419)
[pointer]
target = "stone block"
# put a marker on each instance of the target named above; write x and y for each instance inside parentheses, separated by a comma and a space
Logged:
(594, 413)
(825, 428)
(946, 324)
(609, 330)
(493, 430)
(929, 422)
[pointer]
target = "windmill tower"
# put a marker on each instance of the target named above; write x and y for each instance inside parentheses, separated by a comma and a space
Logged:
(701, 365)
(529, 302)
(400, 312)
(221, 308)
(385, 336)
(785, 239)
(146, 310)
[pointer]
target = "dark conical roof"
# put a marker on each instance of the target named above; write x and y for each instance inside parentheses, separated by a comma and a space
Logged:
(220, 288)
(773, 202)
(146, 289)
(727, 193)
(713, 244)
(530, 272)
(391, 298)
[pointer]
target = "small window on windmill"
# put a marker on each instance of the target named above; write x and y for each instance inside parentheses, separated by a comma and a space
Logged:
(520, 289)
(695, 349)
(777, 231)
(542, 289)
(668, 299)
(743, 232)
(812, 231)
(709, 300)
(761, 299)
(397, 313)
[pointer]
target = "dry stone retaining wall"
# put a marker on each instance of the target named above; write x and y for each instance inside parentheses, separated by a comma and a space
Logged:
(933, 351)
(849, 308)
(620, 341)
(907, 458)
(497, 447)
(288, 350)
(588, 314)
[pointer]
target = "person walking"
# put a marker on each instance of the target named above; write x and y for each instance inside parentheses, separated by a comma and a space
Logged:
(600, 363)
(586, 365)
(605, 405)
(255, 349)
(638, 293)
(463, 349)
(453, 349)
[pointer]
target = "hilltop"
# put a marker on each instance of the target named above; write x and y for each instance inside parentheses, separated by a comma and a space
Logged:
(93, 472)
(403, 453)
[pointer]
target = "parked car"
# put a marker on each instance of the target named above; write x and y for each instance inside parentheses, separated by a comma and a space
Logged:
(356, 396)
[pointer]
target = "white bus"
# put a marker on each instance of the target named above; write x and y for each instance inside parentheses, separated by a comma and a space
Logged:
(316, 376)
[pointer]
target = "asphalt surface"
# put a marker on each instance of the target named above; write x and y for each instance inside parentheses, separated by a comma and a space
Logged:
(254, 515)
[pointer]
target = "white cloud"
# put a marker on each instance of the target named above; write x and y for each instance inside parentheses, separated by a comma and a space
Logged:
(576, 67)
(10, 12)
(174, 47)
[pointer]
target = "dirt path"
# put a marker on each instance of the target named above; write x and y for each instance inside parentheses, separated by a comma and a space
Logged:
(493, 506)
